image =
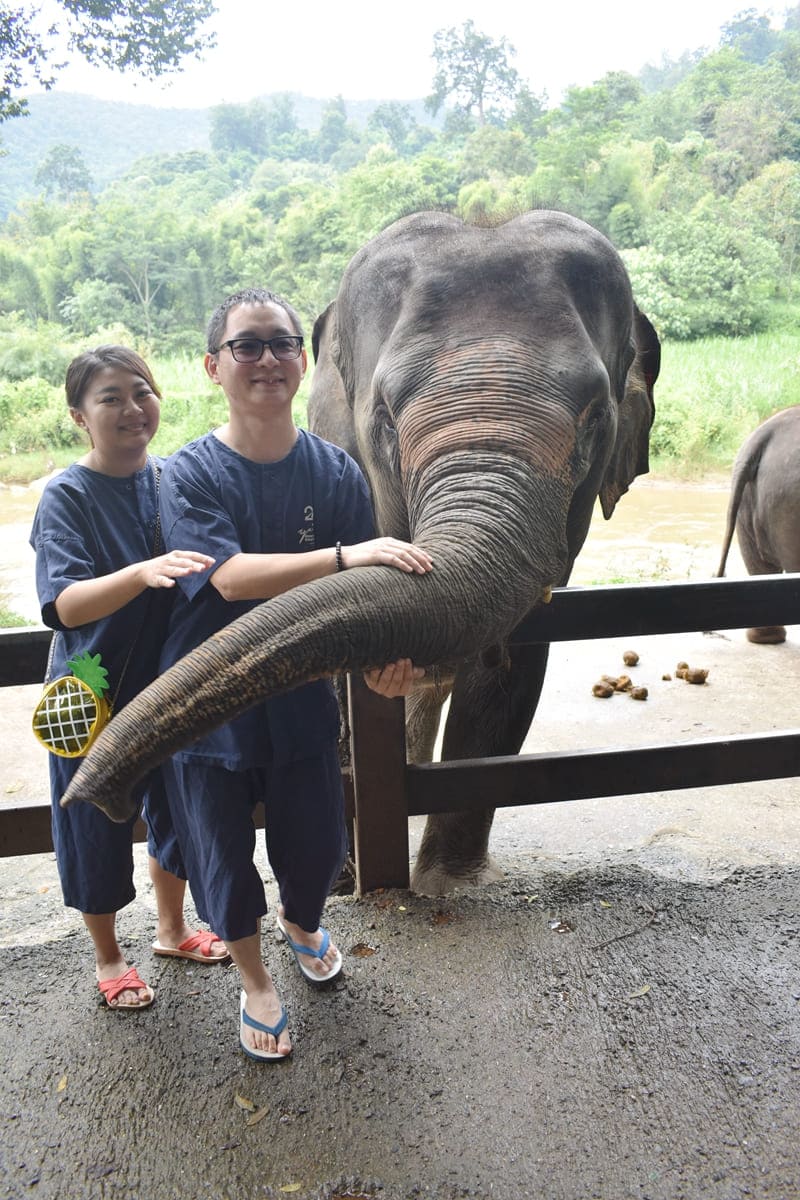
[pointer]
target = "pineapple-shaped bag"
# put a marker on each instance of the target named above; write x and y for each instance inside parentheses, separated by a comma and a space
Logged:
(73, 709)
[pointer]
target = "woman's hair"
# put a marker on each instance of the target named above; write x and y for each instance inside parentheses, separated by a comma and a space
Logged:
(82, 369)
(216, 324)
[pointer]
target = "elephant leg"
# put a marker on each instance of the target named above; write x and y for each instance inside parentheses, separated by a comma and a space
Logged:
(757, 563)
(491, 710)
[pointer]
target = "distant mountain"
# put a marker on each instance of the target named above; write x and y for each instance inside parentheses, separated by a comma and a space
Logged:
(112, 135)
(109, 135)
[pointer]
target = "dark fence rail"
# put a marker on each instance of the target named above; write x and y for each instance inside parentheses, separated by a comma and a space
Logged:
(386, 791)
(23, 655)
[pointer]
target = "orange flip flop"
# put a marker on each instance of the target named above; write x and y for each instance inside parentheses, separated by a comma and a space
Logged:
(127, 982)
(197, 948)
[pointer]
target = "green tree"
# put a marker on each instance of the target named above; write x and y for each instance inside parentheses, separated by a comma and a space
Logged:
(677, 182)
(490, 151)
(761, 120)
(770, 204)
(702, 275)
(93, 304)
(751, 35)
(335, 135)
(530, 114)
(571, 156)
(236, 127)
(62, 173)
(392, 120)
(473, 71)
(285, 139)
(19, 285)
(150, 37)
(138, 246)
(714, 80)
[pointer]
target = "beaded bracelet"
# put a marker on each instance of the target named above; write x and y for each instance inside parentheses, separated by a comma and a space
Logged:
(339, 559)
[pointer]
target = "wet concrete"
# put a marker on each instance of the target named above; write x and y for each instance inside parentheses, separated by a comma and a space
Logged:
(618, 1017)
(598, 1033)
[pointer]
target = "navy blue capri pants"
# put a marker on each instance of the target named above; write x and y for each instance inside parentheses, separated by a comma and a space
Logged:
(304, 826)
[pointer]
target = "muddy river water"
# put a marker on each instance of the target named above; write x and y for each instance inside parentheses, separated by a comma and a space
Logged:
(660, 531)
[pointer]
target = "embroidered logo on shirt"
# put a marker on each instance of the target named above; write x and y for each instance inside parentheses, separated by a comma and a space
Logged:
(305, 535)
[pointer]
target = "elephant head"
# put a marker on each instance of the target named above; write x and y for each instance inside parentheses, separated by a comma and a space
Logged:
(492, 382)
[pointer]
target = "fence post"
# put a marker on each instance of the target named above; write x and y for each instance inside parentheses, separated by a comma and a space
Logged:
(380, 825)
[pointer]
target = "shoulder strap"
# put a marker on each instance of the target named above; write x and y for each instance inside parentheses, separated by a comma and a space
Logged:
(148, 598)
(157, 534)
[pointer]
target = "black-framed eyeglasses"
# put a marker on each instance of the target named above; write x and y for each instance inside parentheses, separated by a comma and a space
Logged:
(250, 349)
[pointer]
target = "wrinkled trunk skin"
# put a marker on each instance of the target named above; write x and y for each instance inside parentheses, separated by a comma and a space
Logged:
(346, 622)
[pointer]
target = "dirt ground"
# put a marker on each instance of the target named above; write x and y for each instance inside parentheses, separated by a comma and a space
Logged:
(618, 1017)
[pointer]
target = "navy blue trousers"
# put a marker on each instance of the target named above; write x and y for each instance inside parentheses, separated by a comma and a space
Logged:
(304, 826)
(94, 854)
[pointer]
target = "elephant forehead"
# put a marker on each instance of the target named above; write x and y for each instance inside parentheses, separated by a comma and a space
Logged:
(540, 434)
(490, 403)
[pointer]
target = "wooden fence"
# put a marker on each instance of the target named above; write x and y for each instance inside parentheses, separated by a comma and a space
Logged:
(385, 790)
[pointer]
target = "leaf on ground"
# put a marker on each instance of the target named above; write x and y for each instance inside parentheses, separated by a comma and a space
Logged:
(62, 1083)
(243, 1102)
(13, 787)
(641, 992)
(443, 918)
(606, 904)
(362, 950)
(257, 1116)
(40, 891)
(290, 1187)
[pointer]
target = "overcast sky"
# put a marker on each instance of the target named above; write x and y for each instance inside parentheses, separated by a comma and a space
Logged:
(376, 51)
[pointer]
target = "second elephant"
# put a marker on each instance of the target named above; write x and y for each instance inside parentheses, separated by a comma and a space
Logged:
(764, 506)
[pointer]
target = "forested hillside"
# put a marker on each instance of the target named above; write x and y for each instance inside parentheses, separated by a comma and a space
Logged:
(112, 136)
(692, 169)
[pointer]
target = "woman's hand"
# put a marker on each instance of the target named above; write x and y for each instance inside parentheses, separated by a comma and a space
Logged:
(164, 570)
(387, 552)
(395, 679)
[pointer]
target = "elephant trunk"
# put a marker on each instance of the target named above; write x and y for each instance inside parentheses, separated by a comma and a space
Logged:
(487, 574)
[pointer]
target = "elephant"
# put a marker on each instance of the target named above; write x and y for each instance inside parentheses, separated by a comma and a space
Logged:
(764, 506)
(493, 382)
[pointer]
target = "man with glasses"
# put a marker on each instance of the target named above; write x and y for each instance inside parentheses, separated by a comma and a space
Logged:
(275, 507)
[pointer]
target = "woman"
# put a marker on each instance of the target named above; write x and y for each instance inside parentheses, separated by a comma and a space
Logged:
(105, 588)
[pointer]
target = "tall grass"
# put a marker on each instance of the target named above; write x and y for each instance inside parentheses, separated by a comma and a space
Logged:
(712, 393)
(709, 396)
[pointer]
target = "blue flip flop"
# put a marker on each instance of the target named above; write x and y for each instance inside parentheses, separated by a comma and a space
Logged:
(275, 1030)
(311, 975)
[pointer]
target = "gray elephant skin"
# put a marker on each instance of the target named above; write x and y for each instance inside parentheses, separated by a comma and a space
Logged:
(492, 383)
(764, 505)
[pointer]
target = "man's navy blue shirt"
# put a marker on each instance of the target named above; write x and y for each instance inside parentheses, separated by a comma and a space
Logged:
(216, 501)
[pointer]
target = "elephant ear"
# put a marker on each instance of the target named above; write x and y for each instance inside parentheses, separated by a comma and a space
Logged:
(629, 457)
(330, 410)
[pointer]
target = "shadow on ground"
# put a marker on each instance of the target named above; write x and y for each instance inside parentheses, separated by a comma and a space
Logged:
(607, 1033)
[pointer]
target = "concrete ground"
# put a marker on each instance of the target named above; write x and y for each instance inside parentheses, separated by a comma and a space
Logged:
(618, 1017)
